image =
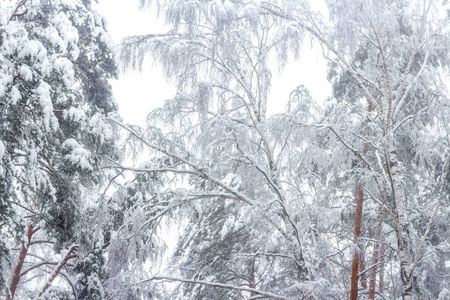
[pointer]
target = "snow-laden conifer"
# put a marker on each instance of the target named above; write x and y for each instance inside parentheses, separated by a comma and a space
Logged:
(56, 58)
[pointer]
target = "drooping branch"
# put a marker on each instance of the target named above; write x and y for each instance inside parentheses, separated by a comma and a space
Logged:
(401, 102)
(181, 203)
(45, 263)
(72, 287)
(400, 91)
(217, 285)
(200, 172)
(321, 38)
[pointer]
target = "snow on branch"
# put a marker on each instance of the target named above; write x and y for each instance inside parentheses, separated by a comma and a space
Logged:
(203, 174)
(16, 11)
(59, 267)
(216, 284)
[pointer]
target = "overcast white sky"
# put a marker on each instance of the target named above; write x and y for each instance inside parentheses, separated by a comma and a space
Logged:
(139, 92)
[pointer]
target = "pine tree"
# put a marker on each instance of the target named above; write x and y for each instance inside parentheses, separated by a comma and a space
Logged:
(56, 59)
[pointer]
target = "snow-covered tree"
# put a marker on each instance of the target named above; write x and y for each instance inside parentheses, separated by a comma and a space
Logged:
(393, 55)
(56, 59)
(269, 199)
(248, 217)
(216, 135)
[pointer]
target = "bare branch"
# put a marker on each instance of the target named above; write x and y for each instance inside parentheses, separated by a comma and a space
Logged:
(16, 11)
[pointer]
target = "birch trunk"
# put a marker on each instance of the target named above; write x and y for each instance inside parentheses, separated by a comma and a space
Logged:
(401, 229)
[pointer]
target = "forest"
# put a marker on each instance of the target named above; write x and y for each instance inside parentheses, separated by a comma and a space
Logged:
(217, 197)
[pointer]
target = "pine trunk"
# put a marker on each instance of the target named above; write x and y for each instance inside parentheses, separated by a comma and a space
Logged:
(381, 273)
(18, 269)
(375, 256)
(357, 234)
(362, 266)
(358, 259)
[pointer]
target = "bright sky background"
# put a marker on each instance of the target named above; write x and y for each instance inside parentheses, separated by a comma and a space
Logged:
(140, 92)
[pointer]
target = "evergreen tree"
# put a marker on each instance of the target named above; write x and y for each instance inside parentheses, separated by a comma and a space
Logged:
(56, 59)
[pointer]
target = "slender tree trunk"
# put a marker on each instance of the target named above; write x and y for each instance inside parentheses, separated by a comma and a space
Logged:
(357, 234)
(252, 279)
(381, 273)
(375, 256)
(358, 259)
(401, 228)
(18, 269)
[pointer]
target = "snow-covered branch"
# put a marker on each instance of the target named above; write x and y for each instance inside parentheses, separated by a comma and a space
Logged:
(215, 284)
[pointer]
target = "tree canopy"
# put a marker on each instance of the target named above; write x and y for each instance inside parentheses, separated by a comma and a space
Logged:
(342, 198)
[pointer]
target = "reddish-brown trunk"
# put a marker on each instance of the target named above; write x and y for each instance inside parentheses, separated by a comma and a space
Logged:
(58, 269)
(381, 273)
(354, 277)
(358, 259)
(18, 269)
(375, 256)
(357, 254)
(362, 266)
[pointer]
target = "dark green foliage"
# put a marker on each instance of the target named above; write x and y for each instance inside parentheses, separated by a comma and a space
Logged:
(57, 59)
(90, 273)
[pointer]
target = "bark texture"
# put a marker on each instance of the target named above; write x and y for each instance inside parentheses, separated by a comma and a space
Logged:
(401, 229)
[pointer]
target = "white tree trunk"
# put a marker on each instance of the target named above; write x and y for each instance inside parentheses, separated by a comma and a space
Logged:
(401, 229)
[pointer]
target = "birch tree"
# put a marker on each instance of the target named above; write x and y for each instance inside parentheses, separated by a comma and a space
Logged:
(262, 191)
(216, 135)
(401, 46)
(385, 49)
